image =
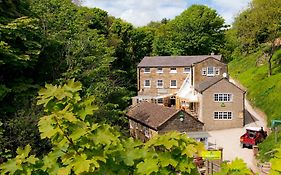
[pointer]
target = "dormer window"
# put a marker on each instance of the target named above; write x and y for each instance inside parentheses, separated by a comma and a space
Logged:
(173, 70)
(159, 70)
(210, 71)
(187, 70)
(147, 70)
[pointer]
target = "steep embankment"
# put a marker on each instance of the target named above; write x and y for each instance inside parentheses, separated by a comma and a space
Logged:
(262, 91)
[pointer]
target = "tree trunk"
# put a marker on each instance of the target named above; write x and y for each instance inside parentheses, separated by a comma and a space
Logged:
(269, 66)
(270, 58)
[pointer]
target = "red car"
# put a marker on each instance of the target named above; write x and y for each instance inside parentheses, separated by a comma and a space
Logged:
(253, 136)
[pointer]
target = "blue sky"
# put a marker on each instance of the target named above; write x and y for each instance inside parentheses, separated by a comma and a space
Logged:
(141, 12)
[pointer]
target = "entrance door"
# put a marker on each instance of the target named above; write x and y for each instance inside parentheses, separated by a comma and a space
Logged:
(173, 101)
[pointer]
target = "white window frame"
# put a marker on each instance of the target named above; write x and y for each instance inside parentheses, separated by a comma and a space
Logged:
(173, 70)
(159, 70)
(204, 71)
(217, 70)
(223, 97)
(209, 69)
(172, 84)
(144, 83)
(223, 115)
(146, 70)
(160, 86)
(160, 101)
(187, 72)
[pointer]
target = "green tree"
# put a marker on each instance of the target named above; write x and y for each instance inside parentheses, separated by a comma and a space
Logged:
(54, 41)
(198, 30)
(231, 47)
(236, 167)
(11, 9)
(20, 47)
(83, 146)
(260, 24)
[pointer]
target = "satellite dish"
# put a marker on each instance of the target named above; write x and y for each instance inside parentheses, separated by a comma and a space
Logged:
(225, 75)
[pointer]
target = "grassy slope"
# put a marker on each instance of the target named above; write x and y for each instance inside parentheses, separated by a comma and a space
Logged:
(264, 92)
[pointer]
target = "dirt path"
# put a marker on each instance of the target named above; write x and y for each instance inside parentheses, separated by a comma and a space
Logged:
(229, 139)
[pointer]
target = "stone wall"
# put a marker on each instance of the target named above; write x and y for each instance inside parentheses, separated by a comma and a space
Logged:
(210, 62)
(209, 106)
(166, 76)
(189, 124)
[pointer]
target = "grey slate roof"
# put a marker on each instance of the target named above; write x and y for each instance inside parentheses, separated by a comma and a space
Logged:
(206, 84)
(176, 61)
(210, 82)
(150, 114)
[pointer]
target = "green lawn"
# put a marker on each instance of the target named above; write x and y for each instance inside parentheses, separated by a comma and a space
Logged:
(262, 91)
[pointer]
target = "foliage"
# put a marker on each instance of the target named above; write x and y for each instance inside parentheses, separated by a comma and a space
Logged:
(11, 9)
(257, 30)
(22, 130)
(51, 41)
(82, 146)
(260, 23)
(20, 47)
(275, 163)
(262, 91)
(236, 167)
(231, 47)
(267, 147)
(198, 30)
(16, 34)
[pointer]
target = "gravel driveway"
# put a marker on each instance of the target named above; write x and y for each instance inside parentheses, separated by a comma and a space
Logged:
(229, 139)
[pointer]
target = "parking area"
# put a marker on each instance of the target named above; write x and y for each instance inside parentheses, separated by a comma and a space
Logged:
(229, 139)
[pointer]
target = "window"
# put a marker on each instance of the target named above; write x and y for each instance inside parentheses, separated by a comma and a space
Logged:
(223, 115)
(159, 84)
(147, 70)
(217, 71)
(173, 70)
(146, 83)
(222, 97)
(146, 132)
(159, 70)
(160, 100)
(204, 71)
(210, 71)
(186, 70)
(173, 84)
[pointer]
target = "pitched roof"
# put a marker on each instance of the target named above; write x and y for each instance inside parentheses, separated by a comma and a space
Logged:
(177, 61)
(150, 114)
(206, 84)
(210, 82)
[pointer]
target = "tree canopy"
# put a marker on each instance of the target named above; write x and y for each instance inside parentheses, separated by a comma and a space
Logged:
(45, 42)
(80, 145)
(197, 30)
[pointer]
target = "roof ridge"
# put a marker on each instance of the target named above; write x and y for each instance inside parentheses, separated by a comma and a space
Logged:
(177, 111)
(177, 61)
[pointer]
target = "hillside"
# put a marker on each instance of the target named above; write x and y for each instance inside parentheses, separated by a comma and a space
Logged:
(262, 91)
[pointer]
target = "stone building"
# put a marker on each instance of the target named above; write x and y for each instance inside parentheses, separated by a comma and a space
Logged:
(198, 85)
(148, 119)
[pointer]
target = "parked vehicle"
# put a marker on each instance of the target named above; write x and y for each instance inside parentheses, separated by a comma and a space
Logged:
(253, 136)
